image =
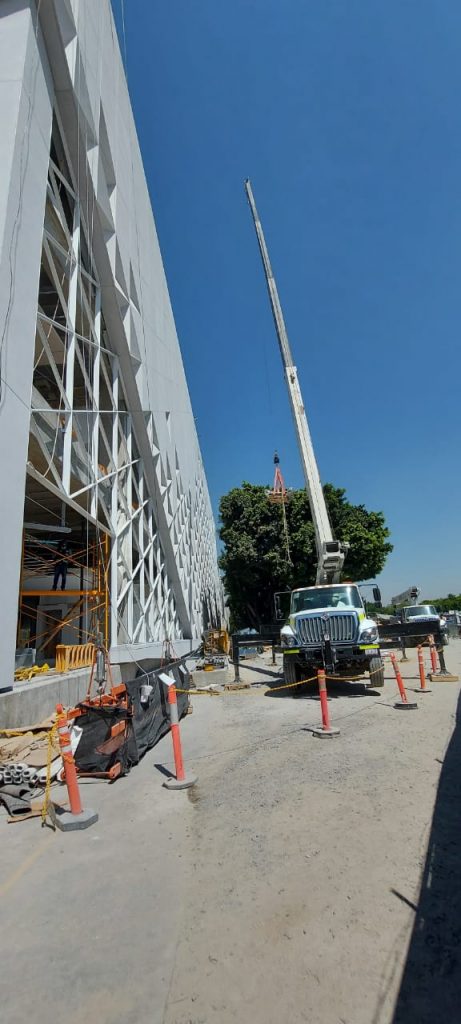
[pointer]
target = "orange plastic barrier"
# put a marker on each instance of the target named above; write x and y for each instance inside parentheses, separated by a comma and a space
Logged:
(422, 672)
(326, 728)
(403, 703)
(183, 779)
(77, 818)
(73, 656)
(70, 771)
(433, 654)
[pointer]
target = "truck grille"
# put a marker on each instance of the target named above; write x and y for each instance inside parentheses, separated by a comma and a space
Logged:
(342, 628)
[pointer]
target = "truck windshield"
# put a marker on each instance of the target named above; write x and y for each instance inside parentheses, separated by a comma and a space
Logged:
(419, 610)
(325, 597)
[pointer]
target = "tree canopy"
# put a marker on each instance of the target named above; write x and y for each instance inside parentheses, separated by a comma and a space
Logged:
(445, 604)
(255, 559)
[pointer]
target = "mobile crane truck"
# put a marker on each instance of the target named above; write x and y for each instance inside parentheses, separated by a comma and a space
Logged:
(327, 624)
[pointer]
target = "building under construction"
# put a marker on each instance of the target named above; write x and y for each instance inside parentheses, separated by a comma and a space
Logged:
(107, 524)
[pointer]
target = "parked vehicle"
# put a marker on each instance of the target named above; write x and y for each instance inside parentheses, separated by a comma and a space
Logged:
(453, 621)
(328, 626)
(418, 613)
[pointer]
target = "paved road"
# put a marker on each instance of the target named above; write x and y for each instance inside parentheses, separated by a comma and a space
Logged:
(301, 880)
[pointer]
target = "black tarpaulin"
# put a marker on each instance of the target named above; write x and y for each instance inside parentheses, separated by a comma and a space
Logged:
(147, 720)
(151, 719)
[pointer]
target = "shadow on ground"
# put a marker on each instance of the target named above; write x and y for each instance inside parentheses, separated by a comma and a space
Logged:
(310, 691)
(430, 991)
(262, 670)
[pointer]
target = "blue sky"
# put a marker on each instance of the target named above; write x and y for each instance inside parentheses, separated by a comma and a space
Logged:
(347, 119)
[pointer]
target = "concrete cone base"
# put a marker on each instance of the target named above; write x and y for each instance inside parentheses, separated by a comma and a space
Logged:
(68, 822)
(185, 783)
(443, 677)
(325, 733)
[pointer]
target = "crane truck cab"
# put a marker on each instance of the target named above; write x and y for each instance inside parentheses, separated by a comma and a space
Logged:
(328, 627)
(422, 613)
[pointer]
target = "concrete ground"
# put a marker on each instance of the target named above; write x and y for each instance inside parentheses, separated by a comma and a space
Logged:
(300, 880)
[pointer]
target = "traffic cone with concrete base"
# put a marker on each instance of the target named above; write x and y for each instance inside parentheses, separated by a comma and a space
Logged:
(404, 704)
(433, 650)
(182, 780)
(326, 729)
(422, 672)
(77, 818)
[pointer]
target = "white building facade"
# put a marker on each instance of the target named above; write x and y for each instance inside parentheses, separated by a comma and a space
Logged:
(98, 446)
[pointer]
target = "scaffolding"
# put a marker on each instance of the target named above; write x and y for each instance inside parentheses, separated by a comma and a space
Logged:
(86, 612)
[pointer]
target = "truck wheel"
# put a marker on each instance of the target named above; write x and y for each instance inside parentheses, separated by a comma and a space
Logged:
(290, 673)
(376, 670)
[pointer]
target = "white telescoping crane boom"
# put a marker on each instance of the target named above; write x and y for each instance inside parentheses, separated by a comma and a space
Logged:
(409, 596)
(330, 552)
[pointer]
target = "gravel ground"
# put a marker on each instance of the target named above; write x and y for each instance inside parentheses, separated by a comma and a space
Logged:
(300, 880)
(305, 860)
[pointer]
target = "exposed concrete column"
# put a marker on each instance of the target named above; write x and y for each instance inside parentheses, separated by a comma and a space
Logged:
(26, 107)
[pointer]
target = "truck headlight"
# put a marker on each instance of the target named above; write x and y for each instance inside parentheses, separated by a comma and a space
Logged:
(369, 636)
(287, 637)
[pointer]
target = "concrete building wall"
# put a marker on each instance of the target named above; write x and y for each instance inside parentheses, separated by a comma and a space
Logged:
(64, 74)
(25, 127)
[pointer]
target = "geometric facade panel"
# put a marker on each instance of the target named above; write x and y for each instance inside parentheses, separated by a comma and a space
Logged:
(112, 454)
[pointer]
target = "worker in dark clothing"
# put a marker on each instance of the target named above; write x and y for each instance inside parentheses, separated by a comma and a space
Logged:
(61, 567)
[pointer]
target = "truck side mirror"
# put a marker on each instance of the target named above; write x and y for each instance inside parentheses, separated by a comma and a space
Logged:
(282, 604)
(377, 597)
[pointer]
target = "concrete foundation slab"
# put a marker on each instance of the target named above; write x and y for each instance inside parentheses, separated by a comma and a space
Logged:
(218, 676)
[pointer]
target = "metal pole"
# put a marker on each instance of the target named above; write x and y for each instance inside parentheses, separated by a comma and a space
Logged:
(235, 658)
(82, 602)
(100, 674)
(443, 667)
(106, 592)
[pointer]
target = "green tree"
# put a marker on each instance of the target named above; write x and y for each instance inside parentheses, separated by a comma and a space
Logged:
(257, 562)
(445, 604)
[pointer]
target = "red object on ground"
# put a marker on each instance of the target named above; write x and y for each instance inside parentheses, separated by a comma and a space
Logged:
(70, 771)
(422, 674)
(323, 698)
(433, 654)
(175, 734)
(399, 679)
